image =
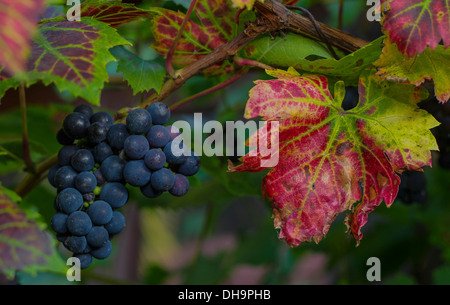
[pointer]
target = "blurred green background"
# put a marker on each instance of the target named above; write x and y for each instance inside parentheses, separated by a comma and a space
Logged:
(222, 231)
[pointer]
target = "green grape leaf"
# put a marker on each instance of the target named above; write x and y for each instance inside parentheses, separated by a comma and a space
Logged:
(141, 75)
(17, 26)
(73, 56)
(24, 244)
(331, 160)
(284, 53)
(114, 13)
(415, 24)
(429, 65)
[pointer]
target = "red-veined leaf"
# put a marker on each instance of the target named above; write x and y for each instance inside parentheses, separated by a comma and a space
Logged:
(332, 160)
(415, 24)
(17, 26)
(72, 55)
(23, 244)
(114, 13)
(196, 41)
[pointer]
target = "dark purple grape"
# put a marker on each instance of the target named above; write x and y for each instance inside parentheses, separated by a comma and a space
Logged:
(136, 146)
(102, 117)
(180, 186)
(138, 121)
(158, 136)
(76, 125)
(160, 113)
(117, 135)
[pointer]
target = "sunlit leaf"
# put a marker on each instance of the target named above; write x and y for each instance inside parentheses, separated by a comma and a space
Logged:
(114, 13)
(332, 160)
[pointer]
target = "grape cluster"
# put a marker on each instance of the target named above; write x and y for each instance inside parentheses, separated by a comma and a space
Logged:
(99, 158)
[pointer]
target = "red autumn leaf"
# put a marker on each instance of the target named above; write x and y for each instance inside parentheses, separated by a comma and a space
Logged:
(115, 13)
(17, 26)
(332, 160)
(416, 24)
(197, 40)
(23, 244)
(217, 17)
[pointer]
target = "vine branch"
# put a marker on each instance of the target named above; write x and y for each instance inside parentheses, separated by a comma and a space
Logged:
(272, 17)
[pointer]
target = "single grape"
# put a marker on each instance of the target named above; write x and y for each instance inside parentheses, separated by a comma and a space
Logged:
(65, 177)
(117, 135)
(112, 168)
(173, 131)
(138, 121)
(51, 174)
(97, 133)
(85, 182)
(97, 237)
(117, 223)
(136, 146)
(59, 223)
(84, 109)
(114, 193)
(76, 244)
(180, 186)
(79, 223)
(69, 200)
(160, 113)
(66, 153)
(102, 252)
(85, 259)
(102, 117)
(175, 152)
(190, 166)
(61, 237)
(63, 138)
(149, 191)
(82, 160)
(75, 125)
(158, 136)
(136, 173)
(101, 152)
(100, 212)
(162, 179)
(155, 159)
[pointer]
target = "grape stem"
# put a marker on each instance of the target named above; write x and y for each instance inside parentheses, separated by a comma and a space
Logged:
(30, 166)
(173, 47)
(34, 178)
(219, 86)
